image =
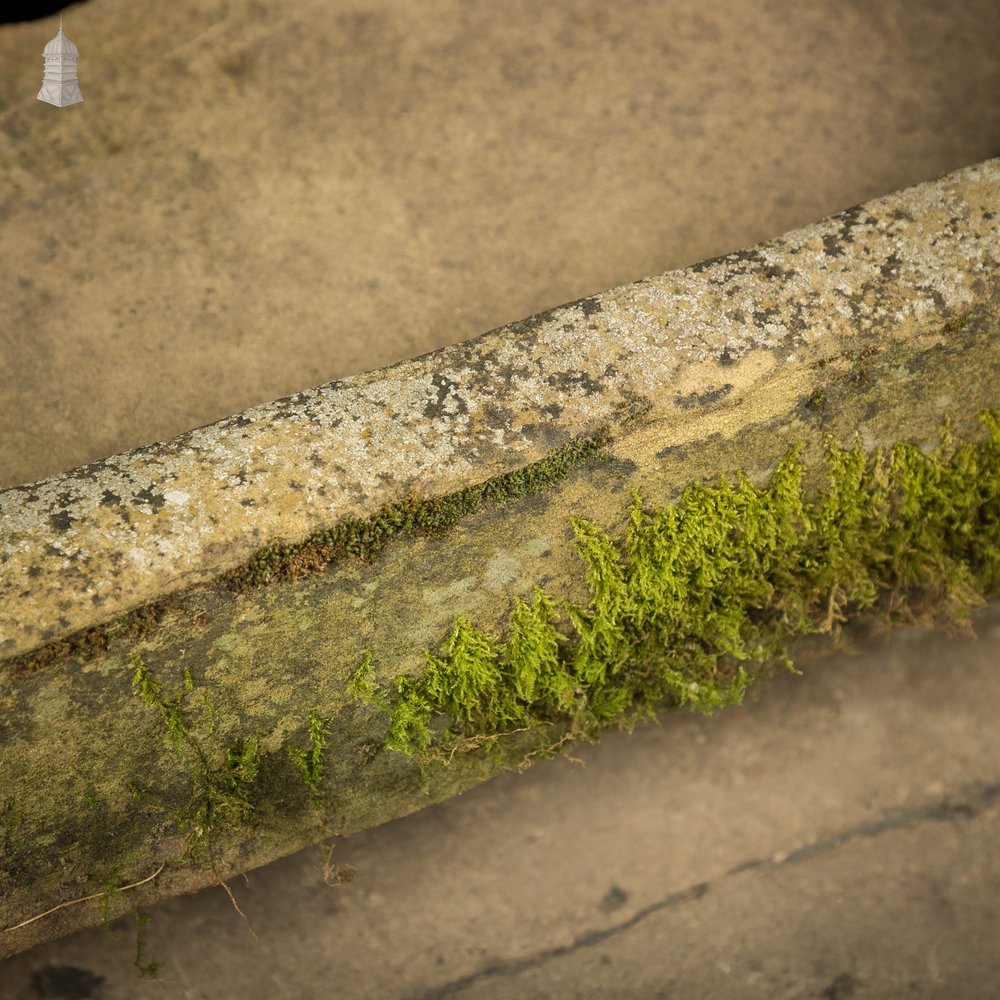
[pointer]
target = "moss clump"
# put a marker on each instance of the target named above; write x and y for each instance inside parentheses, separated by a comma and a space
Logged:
(310, 762)
(700, 597)
(222, 778)
(364, 538)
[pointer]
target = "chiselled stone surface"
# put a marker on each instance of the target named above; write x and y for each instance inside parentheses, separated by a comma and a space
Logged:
(737, 332)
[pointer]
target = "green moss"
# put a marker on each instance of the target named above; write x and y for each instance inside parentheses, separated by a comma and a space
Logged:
(226, 787)
(222, 778)
(147, 969)
(816, 400)
(364, 538)
(363, 687)
(106, 902)
(310, 762)
(699, 598)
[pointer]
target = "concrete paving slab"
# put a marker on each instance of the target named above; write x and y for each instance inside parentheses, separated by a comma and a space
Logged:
(211, 229)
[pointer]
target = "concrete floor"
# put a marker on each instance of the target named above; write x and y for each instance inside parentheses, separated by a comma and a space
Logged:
(201, 235)
(837, 837)
(259, 196)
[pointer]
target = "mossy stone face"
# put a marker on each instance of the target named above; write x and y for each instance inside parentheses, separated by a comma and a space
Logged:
(687, 606)
(493, 620)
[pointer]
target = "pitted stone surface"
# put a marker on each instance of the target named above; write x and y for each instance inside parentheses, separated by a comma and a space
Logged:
(82, 547)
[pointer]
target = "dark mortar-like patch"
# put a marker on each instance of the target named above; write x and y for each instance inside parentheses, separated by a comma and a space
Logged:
(703, 398)
(449, 400)
(60, 521)
(155, 500)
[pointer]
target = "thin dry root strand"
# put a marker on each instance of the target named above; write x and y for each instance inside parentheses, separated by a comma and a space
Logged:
(83, 899)
(236, 906)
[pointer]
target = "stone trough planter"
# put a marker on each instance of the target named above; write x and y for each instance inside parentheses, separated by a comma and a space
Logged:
(333, 609)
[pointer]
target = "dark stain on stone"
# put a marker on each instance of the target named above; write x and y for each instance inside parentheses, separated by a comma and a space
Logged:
(614, 899)
(61, 521)
(773, 271)
(242, 421)
(669, 450)
(725, 358)
(703, 398)
(34, 571)
(832, 245)
(445, 387)
(625, 469)
(765, 315)
(497, 417)
(109, 499)
(65, 982)
(155, 500)
(938, 298)
(573, 381)
(890, 267)
(919, 362)
(239, 65)
(851, 217)
(843, 987)
(553, 410)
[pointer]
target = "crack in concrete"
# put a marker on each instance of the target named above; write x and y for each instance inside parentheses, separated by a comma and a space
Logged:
(968, 803)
